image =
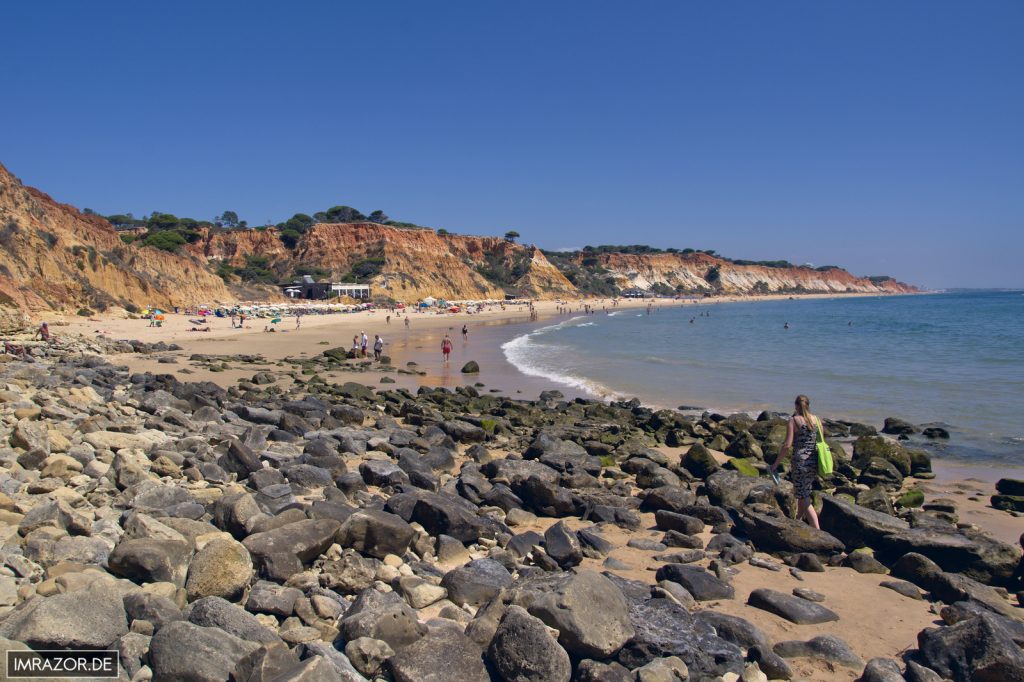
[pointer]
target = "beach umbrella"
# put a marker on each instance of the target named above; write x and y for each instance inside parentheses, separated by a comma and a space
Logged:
(275, 320)
(158, 317)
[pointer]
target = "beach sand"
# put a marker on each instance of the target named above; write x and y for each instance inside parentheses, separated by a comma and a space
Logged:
(875, 621)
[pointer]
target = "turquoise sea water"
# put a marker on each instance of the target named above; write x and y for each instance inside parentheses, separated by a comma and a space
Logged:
(955, 359)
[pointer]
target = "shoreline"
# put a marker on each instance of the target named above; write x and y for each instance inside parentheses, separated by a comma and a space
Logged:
(420, 342)
(315, 451)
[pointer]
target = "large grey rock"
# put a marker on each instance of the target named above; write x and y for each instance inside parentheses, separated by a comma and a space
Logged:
(368, 655)
(588, 610)
(344, 671)
(949, 587)
(669, 520)
(855, 525)
(444, 654)
(971, 553)
(881, 670)
(476, 582)
(214, 612)
(442, 515)
(522, 650)
(222, 568)
(783, 534)
(376, 533)
(185, 652)
(664, 628)
(386, 618)
(976, 649)
(562, 545)
(825, 647)
(793, 609)
(703, 585)
(282, 552)
(268, 597)
(150, 560)
(151, 608)
(965, 610)
(734, 629)
(91, 618)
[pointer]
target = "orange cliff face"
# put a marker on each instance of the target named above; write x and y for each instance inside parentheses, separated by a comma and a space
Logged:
(694, 272)
(410, 263)
(55, 258)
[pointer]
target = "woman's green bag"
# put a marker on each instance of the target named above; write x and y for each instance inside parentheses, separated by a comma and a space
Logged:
(824, 454)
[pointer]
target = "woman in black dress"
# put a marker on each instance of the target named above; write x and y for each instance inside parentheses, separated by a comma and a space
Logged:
(801, 436)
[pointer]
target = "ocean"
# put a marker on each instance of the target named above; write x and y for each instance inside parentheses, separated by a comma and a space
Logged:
(951, 359)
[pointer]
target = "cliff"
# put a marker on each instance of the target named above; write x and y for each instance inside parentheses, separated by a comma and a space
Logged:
(404, 264)
(54, 258)
(697, 272)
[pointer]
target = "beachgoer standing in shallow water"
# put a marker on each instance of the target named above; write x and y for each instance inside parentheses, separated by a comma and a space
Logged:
(446, 348)
(801, 436)
(465, 333)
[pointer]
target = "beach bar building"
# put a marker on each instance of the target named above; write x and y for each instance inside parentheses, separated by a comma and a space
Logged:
(319, 291)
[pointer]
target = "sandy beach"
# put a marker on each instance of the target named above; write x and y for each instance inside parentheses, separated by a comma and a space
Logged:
(873, 620)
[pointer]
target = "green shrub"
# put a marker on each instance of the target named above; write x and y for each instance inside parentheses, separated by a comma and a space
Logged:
(84, 312)
(165, 240)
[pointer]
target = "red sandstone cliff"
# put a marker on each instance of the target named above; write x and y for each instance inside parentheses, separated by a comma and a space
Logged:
(412, 263)
(55, 258)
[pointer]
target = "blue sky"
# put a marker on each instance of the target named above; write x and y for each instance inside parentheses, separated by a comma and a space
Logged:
(882, 136)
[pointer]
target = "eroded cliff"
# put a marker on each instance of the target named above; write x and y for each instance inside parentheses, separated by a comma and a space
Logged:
(696, 272)
(401, 263)
(54, 258)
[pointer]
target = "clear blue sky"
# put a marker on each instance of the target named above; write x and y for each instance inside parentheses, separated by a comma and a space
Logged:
(884, 136)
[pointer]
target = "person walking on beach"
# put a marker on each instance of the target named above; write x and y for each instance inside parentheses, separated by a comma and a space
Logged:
(298, 320)
(406, 321)
(446, 348)
(465, 333)
(364, 342)
(801, 435)
(378, 347)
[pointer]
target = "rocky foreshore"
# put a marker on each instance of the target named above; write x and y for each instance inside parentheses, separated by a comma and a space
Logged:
(301, 530)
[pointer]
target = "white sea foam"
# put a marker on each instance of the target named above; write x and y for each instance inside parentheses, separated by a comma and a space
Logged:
(527, 356)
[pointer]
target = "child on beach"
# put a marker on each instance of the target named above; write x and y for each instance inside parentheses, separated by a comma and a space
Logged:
(446, 348)
(801, 435)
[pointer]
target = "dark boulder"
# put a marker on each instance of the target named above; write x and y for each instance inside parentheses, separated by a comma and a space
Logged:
(562, 545)
(476, 582)
(282, 552)
(783, 534)
(699, 461)
(376, 533)
(704, 586)
(664, 628)
(443, 654)
(588, 610)
(793, 609)
(522, 650)
(978, 649)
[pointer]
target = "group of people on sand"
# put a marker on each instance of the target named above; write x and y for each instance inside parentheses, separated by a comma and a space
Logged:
(361, 343)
